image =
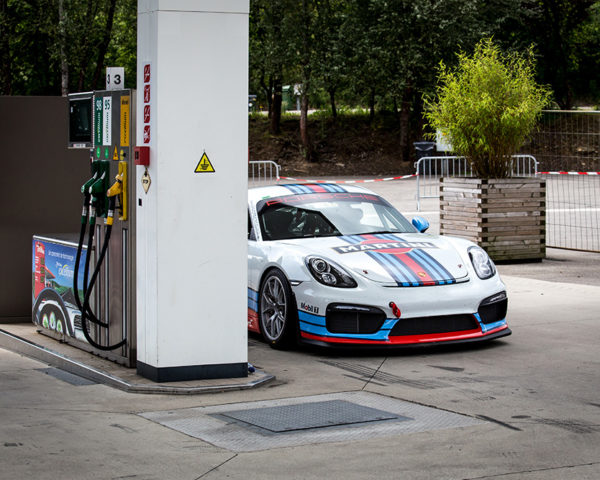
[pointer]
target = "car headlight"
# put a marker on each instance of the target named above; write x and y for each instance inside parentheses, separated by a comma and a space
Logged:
(329, 273)
(482, 263)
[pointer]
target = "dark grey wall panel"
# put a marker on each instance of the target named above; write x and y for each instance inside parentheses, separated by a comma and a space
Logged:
(40, 186)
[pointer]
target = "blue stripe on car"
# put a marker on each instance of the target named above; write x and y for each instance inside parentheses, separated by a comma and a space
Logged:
(299, 188)
(252, 300)
(393, 267)
(315, 324)
(490, 326)
(442, 273)
(311, 319)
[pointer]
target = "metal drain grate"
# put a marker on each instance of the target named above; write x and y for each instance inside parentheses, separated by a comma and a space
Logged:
(303, 416)
(357, 416)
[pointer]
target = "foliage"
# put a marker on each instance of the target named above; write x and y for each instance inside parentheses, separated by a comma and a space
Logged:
(585, 57)
(488, 105)
(380, 55)
(36, 40)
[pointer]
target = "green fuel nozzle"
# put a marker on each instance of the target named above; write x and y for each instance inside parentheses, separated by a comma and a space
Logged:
(85, 188)
(97, 190)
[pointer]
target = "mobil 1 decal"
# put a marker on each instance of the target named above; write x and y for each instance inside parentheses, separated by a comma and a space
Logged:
(407, 263)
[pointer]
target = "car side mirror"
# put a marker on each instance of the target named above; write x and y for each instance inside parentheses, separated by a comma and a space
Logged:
(420, 224)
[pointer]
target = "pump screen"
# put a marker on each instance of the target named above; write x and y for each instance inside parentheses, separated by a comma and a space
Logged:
(80, 122)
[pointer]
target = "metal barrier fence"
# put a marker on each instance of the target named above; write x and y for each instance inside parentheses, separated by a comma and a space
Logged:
(262, 172)
(573, 210)
(431, 169)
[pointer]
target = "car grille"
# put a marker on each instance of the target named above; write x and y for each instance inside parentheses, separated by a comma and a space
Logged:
(341, 318)
(493, 312)
(77, 322)
(439, 324)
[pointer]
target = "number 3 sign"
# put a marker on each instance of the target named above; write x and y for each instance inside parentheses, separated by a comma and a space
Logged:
(115, 78)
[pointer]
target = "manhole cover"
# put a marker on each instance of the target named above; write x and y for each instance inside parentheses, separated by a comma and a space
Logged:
(287, 422)
(303, 416)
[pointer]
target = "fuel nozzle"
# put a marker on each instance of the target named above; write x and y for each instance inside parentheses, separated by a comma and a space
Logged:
(115, 190)
(85, 189)
(118, 190)
(117, 187)
(97, 190)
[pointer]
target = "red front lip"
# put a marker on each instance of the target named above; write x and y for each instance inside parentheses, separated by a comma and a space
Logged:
(408, 339)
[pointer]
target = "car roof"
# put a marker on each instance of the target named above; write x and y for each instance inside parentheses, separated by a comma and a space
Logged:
(258, 193)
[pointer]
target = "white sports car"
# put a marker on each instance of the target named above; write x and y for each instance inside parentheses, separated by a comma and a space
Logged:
(339, 266)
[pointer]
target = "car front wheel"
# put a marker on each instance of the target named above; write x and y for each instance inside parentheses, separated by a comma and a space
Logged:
(277, 315)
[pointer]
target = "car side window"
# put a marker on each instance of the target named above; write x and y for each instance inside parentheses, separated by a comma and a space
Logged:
(251, 234)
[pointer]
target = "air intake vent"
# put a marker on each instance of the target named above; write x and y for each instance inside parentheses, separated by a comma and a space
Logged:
(440, 324)
(342, 318)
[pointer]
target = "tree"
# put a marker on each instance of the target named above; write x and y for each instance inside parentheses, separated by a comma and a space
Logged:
(330, 67)
(401, 45)
(488, 105)
(269, 53)
(364, 50)
(51, 47)
(301, 25)
(556, 42)
(122, 49)
(586, 42)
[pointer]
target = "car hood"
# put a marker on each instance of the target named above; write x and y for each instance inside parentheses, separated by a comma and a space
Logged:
(407, 260)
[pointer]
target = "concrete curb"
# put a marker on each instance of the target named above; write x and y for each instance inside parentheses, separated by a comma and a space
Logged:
(16, 344)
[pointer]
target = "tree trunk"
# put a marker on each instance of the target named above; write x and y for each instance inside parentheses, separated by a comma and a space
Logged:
(304, 137)
(84, 60)
(105, 42)
(268, 89)
(276, 107)
(332, 102)
(62, 38)
(404, 127)
(371, 107)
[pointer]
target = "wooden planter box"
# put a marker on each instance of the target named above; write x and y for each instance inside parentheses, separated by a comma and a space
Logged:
(506, 217)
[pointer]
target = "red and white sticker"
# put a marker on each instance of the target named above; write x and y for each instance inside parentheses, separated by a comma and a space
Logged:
(147, 103)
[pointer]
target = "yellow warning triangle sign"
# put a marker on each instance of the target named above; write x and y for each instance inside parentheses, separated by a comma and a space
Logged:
(204, 165)
(115, 155)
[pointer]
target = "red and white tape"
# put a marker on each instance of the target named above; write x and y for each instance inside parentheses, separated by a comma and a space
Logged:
(303, 180)
(568, 173)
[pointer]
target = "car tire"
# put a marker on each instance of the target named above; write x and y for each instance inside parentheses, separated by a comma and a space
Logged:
(276, 310)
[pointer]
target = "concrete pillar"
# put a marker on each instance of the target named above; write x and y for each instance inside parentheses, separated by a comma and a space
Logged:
(191, 246)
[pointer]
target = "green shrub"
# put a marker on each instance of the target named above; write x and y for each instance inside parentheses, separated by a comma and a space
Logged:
(487, 106)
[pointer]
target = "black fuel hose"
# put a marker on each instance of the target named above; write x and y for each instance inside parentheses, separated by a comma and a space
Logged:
(86, 300)
(84, 219)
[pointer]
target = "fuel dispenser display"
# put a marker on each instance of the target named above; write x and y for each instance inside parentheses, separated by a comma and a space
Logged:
(102, 290)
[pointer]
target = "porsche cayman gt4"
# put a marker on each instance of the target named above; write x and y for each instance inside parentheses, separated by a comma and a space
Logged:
(339, 266)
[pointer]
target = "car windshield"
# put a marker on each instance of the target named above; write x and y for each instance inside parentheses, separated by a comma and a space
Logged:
(328, 214)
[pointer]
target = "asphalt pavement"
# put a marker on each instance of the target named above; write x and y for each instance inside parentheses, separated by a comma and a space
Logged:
(523, 407)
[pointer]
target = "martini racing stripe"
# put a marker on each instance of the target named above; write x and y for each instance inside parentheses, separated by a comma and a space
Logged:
(437, 267)
(314, 188)
(396, 269)
(411, 268)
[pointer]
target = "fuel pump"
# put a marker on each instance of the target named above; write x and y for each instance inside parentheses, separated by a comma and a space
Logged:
(105, 295)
